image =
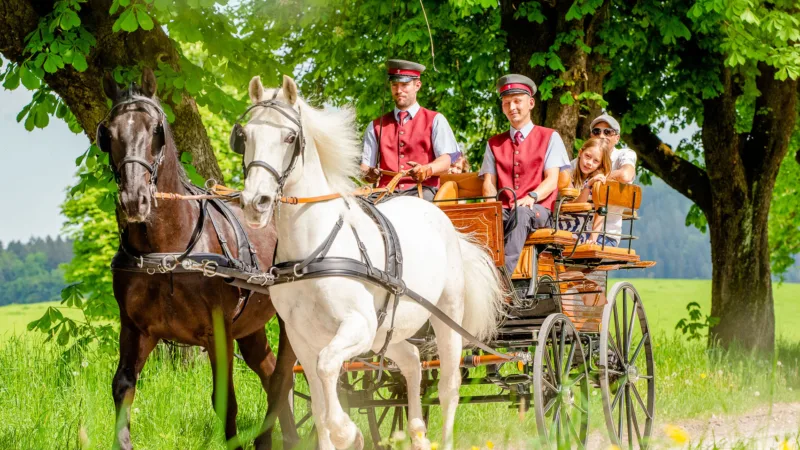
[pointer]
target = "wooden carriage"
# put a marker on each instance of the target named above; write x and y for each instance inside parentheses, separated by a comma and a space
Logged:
(554, 256)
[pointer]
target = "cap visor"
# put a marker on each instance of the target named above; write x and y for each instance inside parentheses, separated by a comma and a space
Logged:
(514, 91)
(402, 78)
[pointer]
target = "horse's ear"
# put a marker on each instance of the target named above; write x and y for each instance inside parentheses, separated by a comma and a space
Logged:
(256, 90)
(289, 89)
(149, 83)
(110, 87)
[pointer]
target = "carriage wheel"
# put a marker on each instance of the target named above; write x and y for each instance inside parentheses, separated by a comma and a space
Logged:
(627, 376)
(560, 385)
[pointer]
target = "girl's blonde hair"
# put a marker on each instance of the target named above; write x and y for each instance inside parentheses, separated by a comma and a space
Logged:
(605, 161)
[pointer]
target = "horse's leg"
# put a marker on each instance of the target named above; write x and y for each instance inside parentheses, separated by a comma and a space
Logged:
(258, 355)
(406, 356)
(134, 347)
(281, 388)
(222, 364)
(277, 382)
(351, 339)
(449, 346)
(308, 359)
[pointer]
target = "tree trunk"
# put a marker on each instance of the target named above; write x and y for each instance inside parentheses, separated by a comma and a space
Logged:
(82, 91)
(584, 72)
(741, 287)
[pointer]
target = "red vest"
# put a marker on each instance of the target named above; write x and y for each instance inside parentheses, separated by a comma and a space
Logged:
(521, 168)
(401, 144)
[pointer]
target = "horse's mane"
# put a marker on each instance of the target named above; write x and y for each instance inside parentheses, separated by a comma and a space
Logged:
(336, 140)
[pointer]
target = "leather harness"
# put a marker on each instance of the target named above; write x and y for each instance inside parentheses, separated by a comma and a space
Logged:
(129, 260)
(318, 264)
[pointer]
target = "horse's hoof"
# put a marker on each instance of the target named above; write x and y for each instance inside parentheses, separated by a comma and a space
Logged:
(358, 444)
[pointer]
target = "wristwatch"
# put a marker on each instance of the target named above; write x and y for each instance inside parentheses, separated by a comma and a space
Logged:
(534, 196)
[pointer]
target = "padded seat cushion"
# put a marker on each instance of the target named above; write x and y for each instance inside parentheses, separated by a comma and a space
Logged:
(569, 192)
(550, 236)
(576, 207)
(595, 251)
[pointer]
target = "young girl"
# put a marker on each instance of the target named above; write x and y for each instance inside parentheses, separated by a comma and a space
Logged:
(592, 165)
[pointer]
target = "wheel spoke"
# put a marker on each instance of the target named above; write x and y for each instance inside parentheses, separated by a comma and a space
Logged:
(561, 348)
(571, 355)
(630, 412)
(639, 348)
(549, 405)
(630, 330)
(616, 329)
(572, 431)
(548, 385)
(303, 420)
(556, 417)
(636, 427)
(550, 366)
(615, 372)
(646, 377)
(612, 344)
(576, 380)
(617, 397)
(619, 419)
(624, 324)
(556, 360)
(641, 403)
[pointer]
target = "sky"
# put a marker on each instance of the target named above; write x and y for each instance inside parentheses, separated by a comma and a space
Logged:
(36, 167)
(36, 175)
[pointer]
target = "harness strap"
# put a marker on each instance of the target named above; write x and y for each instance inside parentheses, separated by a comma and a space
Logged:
(351, 268)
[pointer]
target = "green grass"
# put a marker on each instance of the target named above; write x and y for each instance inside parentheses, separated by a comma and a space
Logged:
(15, 318)
(51, 399)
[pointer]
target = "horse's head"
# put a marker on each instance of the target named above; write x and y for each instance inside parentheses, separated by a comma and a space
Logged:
(271, 144)
(133, 136)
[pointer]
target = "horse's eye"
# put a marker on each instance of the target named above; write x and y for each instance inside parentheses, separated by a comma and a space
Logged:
(290, 139)
(158, 129)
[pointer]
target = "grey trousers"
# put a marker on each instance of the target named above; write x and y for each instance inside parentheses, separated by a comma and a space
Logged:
(529, 219)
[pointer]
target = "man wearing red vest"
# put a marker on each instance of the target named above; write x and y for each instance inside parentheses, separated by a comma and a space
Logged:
(527, 160)
(410, 137)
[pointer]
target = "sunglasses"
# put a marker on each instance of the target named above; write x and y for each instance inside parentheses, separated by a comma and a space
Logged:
(605, 131)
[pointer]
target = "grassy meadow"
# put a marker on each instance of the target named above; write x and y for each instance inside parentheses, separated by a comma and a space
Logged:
(51, 399)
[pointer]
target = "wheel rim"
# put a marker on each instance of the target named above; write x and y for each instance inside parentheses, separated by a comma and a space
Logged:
(560, 385)
(627, 370)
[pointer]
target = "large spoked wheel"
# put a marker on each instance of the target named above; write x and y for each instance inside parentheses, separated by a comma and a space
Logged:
(300, 402)
(560, 385)
(627, 375)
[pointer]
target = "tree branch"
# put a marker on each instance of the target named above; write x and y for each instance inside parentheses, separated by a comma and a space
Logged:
(691, 181)
(82, 91)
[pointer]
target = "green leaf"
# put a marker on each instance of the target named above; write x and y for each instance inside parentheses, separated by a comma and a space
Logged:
(144, 19)
(79, 62)
(69, 19)
(194, 85)
(168, 111)
(53, 63)
(186, 158)
(114, 7)
(126, 21)
(63, 336)
(41, 119)
(29, 79)
(12, 79)
(566, 98)
(178, 82)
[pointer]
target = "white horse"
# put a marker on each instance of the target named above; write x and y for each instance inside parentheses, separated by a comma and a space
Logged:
(333, 319)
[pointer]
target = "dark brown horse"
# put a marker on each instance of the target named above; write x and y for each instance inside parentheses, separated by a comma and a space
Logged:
(160, 301)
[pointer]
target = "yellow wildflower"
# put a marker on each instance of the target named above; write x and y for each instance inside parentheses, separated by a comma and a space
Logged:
(677, 434)
(475, 447)
(614, 447)
(435, 446)
(785, 445)
(489, 445)
(703, 375)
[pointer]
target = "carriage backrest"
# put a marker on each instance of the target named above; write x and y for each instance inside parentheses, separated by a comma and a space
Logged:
(614, 193)
(468, 184)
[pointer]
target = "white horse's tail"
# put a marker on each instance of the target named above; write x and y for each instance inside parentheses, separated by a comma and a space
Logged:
(483, 303)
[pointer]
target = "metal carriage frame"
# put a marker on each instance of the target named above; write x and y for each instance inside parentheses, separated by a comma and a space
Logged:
(560, 346)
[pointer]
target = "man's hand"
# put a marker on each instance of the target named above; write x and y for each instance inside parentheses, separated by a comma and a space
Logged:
(370, 175)
(526, 200)
(420, 172)
(599, 178)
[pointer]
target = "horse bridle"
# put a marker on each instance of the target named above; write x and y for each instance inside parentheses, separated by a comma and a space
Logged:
(103, 141)
(238, 140)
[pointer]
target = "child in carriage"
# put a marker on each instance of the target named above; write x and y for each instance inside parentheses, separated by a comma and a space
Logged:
(593, 165)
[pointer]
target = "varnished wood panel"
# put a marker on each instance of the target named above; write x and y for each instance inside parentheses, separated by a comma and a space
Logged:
(617, 194)
(484, 221)
(469, 184)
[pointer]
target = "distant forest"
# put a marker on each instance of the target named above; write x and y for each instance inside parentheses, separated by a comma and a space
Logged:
(30, 273)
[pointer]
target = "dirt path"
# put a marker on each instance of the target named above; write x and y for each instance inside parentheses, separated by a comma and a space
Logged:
(761, 428)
